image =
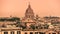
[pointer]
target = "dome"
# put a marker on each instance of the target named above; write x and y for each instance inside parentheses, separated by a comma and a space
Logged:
(29, 12)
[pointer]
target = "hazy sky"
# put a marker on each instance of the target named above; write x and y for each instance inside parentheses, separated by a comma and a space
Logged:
(40, 7)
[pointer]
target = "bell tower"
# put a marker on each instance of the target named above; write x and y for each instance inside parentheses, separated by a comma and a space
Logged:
(29, 12)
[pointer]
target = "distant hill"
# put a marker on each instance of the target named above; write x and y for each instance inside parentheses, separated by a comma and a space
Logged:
(10, 19)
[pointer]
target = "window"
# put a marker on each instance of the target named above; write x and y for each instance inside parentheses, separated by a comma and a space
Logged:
(31, 32)
(53, 33)
(41, 33)
(12, 32)
(18, 32)
(25, 32)
(49, 33)
(36, 32)
(58, 32)
(5, 32)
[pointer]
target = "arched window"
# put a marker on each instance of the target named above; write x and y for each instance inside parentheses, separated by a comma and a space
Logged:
(49, 33)
(36, 32)
(31, 32)
(53, 33)
(5, 32)
(41, 32)
(58, 32)
(12, 32)
(18, 32)
(25, 32)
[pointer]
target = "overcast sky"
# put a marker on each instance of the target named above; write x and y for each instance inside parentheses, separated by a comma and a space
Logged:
(40, 7)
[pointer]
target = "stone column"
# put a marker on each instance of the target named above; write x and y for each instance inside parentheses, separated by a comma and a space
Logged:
(8, 32)
(2, 32)
(15, 32)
